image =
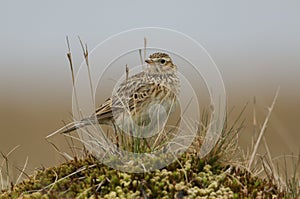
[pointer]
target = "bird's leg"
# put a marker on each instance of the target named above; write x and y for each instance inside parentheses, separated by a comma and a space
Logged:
(116, 134)
(132, 140)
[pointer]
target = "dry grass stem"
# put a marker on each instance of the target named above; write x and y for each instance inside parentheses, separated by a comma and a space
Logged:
(127, 72)
(23, 170)
(145, 47)
(86, 57)
(6, 163)
(69, 56)
(254, 152)
(141, 57)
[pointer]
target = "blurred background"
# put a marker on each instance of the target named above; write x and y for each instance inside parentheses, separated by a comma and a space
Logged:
(255, 44)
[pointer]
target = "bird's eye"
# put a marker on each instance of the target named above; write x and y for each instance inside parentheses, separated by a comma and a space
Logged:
(162, 61)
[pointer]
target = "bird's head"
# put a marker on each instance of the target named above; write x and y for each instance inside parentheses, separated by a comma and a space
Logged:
(160, 63)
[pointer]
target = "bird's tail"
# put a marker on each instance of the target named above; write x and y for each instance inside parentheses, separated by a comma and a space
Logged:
(69, 128)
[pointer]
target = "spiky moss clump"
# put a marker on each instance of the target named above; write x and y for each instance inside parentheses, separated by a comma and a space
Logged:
(189, 177)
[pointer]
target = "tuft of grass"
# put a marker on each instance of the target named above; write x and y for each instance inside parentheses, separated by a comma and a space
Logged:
(293, 183)
(7, 170)
(226, 149)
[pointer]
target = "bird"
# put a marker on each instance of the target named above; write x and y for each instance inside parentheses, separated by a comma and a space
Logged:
(144, 100)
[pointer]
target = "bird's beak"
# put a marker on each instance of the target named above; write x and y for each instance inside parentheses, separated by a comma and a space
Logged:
(148, 61)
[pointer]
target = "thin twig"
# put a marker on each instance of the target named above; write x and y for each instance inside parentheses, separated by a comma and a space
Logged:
(263, 129)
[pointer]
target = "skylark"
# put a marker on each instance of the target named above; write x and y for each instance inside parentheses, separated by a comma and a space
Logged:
(144, 100)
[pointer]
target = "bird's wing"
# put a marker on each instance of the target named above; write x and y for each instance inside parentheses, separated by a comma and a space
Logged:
(104, 112)
(125, 100)
(140, 95)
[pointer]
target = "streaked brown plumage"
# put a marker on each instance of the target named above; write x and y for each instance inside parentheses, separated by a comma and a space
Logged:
(158, 84)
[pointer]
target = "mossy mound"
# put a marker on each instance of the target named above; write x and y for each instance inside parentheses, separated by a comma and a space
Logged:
(190, 177)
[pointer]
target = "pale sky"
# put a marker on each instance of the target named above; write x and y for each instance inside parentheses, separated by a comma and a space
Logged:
(243, 38)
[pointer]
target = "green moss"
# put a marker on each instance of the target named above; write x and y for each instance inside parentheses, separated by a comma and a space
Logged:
(191, 178)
